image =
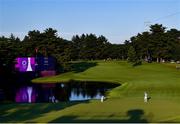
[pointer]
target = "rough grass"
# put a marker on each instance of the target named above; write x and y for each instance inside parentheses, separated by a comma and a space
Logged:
(124, 103)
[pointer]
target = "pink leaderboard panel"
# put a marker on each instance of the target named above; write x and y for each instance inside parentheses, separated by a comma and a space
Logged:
(49, 85)
(48, 73)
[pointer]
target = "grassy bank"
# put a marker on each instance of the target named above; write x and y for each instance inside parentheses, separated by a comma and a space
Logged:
(112, 110)
(124, 103)
(159, 80)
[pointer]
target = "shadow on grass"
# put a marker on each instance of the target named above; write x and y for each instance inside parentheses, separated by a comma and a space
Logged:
(14, 112)
(134, 116)
(82, 66)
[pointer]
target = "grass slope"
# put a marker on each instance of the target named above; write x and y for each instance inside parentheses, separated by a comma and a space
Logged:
(159, 80)
(125, 103)
(112, 110)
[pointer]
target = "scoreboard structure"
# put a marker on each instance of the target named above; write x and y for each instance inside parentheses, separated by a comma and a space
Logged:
(25, 64)
(45, 66)
(45, 63)
(39, 66)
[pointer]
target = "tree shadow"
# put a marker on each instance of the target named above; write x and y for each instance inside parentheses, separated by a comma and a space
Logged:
(82, 66)
(23, 112)
(134, 116)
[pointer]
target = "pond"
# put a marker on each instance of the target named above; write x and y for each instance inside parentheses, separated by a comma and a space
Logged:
(54, 92)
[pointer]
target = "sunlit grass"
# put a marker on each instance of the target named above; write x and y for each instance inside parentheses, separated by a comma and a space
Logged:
(124, 104)
(157, 79)
(112, 110)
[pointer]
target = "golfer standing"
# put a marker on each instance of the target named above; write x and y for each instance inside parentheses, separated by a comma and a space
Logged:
(145, 97)
(102, 98)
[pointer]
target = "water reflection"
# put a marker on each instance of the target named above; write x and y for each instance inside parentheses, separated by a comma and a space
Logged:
(83, 96)
(72, 91)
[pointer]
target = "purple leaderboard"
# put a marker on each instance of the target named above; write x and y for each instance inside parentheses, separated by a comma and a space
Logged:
(44, 66)
(25, 64)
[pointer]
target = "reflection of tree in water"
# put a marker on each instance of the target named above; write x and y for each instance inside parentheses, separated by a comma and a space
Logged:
(102, 91)
(83, 90)
(40, 94)
(92, 90)
(74, 88)
(77, 90)
(84, 87)
(61, 93)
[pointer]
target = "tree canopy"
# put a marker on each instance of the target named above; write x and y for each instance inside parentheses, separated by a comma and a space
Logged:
(157, 44)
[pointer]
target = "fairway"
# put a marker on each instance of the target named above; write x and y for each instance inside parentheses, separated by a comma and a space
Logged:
(112, 110)
(124, 104)
(159, 80)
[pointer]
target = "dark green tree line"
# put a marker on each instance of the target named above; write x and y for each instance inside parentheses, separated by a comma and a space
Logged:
(156, 44)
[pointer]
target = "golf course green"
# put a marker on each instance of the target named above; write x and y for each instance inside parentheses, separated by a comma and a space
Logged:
(124, 103)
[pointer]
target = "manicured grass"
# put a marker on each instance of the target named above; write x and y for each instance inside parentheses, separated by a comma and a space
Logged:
(159, 80)
(124, 103)
(112, 110)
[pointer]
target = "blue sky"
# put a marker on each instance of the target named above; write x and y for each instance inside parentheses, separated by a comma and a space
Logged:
(117, 20)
